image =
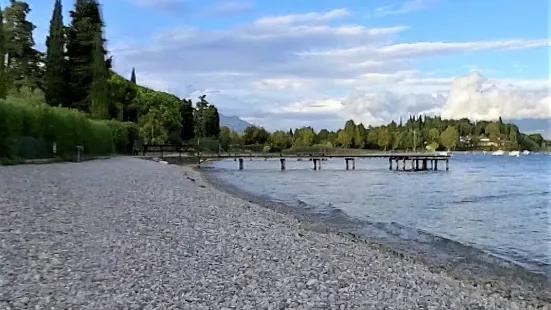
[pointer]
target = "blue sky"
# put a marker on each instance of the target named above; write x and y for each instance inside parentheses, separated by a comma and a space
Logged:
(289, 63)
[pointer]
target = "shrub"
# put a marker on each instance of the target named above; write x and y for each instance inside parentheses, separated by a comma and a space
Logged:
(29, 129)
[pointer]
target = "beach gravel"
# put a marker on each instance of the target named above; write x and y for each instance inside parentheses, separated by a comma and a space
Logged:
(128, 233)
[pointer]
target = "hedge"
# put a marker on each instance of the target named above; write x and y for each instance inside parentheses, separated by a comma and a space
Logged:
(28, 130)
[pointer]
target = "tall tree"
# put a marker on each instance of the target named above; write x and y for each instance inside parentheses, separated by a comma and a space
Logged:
(133, 76)
(188, 126)
(3, 77)
(23, 59)
(99, 95)
(450, 137)
(55, 74)
(85, 22)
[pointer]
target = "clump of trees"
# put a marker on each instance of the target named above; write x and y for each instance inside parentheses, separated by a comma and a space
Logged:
(75, 73)
(418, 133)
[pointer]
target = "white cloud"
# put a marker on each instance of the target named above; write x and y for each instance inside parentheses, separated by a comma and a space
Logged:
(227, 7)
(471, 99)
(296, 69)
(168, 5)
(406, 7)
(311, 17)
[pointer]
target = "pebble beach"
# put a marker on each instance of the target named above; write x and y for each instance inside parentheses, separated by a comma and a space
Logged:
(129, 233)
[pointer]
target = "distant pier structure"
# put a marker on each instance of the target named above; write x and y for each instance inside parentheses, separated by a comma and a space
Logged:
(400, 162)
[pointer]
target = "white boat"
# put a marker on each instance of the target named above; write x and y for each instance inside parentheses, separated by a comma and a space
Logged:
(525, 152)
(498, 153)
(514, 153)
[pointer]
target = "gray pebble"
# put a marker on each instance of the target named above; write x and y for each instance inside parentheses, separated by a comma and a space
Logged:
(127, 233)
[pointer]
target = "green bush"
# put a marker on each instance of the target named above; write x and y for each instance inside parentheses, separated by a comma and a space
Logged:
(125, 136)
(29, 129)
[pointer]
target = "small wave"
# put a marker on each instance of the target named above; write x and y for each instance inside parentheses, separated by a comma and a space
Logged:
(502, 196)
(441, 248)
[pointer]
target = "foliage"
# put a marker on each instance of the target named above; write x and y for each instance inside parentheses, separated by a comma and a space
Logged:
(67, 128)
(206, 119)
(450, 137)
(125, 136)
(417, 133)
(22, 59)
(81, 34)
(55, 73)
(3, 77)
(99, 93)
(187, 121)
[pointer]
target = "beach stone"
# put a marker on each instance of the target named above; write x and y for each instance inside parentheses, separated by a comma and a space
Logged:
(127, 233)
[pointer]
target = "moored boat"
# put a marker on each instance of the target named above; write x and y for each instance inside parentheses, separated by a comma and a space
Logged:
(514, 153)
(498, 153)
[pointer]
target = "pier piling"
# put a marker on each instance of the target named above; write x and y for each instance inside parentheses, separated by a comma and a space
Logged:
(282, 161)
(240, 163)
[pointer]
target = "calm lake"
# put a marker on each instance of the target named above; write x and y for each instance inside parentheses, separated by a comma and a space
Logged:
(494, 205)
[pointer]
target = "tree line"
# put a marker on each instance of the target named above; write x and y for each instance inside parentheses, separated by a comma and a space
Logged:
(75, 72)
(417, 133)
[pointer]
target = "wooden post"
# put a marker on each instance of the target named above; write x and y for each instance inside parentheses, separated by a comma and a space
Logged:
(315, 164)
(431, 164)
(346, 160)
(413, 165)
(397, 164)
(240, 163)
(404, 164)
(424, 164)
(447, 164)
(390, 163)
(436, 164)
(353, 164)
(282, 160)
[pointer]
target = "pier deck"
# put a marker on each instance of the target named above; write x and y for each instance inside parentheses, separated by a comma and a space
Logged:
(397, 161)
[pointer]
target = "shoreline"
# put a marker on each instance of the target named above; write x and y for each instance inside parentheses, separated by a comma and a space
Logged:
(138, 234)
(508, 282)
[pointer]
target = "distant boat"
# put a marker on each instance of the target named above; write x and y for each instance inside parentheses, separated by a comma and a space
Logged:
(484, 152)
(525, 152)
(514, 153)
(498, 153)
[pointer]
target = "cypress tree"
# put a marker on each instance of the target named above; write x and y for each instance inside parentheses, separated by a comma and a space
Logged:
(85, 22)
(133, 76)
(3, 79)
(99, 96)
(22, 61)
(188, 125)
(55, 75)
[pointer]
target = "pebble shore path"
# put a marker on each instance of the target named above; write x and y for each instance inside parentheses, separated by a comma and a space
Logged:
(127, 233)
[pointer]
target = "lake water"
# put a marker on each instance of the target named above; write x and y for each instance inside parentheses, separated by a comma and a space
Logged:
(497, 206)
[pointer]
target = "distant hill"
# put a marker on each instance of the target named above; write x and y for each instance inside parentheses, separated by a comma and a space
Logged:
(234, 123)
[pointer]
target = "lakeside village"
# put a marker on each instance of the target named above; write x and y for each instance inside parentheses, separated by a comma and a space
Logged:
(70, 97)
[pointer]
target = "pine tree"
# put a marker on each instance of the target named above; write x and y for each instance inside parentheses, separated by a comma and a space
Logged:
(85, 21)
(99, 95)
(133, 76)
(55, 75)
(3, 79)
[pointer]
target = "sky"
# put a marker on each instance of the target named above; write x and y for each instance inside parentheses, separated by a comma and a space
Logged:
(285, 64)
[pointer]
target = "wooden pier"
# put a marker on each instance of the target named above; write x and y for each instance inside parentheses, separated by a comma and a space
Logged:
(396, 161)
